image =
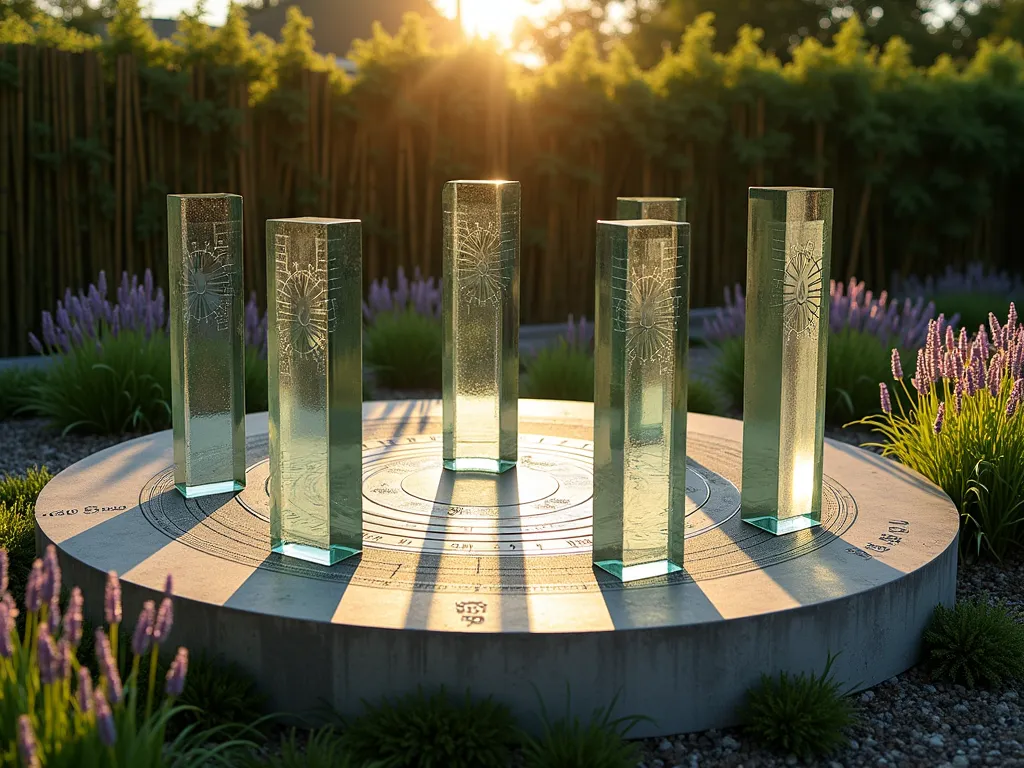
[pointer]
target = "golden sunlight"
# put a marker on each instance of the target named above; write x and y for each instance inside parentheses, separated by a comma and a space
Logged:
(495, 19)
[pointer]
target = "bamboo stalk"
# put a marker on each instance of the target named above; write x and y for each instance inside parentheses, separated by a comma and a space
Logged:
(129, 167)
(7, 116)
(119, 191)
(414, 245)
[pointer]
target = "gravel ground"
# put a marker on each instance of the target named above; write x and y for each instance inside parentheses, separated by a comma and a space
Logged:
(906, 721)
(31, 442)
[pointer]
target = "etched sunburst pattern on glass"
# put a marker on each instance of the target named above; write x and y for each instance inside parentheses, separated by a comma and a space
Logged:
(650, 316)
(304, 308)
(801, 289)
(207, 279)
(482, 275)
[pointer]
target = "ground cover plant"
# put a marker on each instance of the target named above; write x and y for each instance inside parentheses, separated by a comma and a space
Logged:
(17, 524)
(862, 328)
(16, 385)
(974, 643)
(957, 423)
(803, 714)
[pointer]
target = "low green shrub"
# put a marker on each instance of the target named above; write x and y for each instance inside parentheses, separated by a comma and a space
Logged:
(975, 643)
(856, 362)
(569, 742)
(563, 371)
(559, 372)
(803, 714)
(18, 496)
(403, 350)
(123, 385)
(973, 308)
(16, 385)
(319, 749)
(701, 397)
(426, 731)
(257, 384)
(220, 693)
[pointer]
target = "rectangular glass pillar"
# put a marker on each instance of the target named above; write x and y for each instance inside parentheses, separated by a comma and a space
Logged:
(314, 353)
(664, 208)
(204, 245)
(480, 313)
(789, 246)
(641, 345)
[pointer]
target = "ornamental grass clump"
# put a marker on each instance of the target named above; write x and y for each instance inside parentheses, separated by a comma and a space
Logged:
(563, 370)
(52, 711)
(806, 715)
(975, 643)
(958, 425)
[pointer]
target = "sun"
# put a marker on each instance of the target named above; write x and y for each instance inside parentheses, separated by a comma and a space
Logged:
(494, 19)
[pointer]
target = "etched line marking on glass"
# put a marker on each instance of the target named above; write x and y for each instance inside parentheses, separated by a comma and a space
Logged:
(207, 280)
(651, 306)
(481, 263)
(302, 306)
(801, 289)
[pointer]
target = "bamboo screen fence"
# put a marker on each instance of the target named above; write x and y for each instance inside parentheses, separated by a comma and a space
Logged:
(90, 147)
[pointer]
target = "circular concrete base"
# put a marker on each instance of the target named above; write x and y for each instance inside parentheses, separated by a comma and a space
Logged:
(486, 583)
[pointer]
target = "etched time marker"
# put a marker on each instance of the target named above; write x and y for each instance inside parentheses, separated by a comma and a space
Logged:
(481, 325)
(314, 354)
(204, 244)
(640, 376)
(789, 244)
(664, 208)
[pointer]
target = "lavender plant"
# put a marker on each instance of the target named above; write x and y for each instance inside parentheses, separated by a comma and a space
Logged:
(52, 711)
(403, 339)
(420, 295)
(111, 370)
(861, 328)
(958, 425)
(851, 306)
(971, 291)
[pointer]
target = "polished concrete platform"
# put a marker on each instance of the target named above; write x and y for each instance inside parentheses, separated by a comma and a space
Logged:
(486, 583)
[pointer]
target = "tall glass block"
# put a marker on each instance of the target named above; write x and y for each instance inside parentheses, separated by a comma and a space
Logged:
(204, 244)
(789, 245)
(640, 372)
(314, 352)
(664, 208)
(481, 325)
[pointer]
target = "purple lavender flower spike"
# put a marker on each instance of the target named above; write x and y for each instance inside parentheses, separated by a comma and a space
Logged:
(897, 365)
(4, 564)
(108, 668)
(27, 748)
(73, 618)
(35, 343)
(995, 376)
(84, 692)
(142, 638)
(104, 719)
(1014, 401)
(164, 621)
(883, 393)
(12, 607)
(1011, 319)
(959, 396)
(50, 585)
(32, 599)
(176, 674)
(53, 615)
(47, 656)
(101, 283)
(6, 628)
(940, 418)
(64, 654)
(112, 599)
